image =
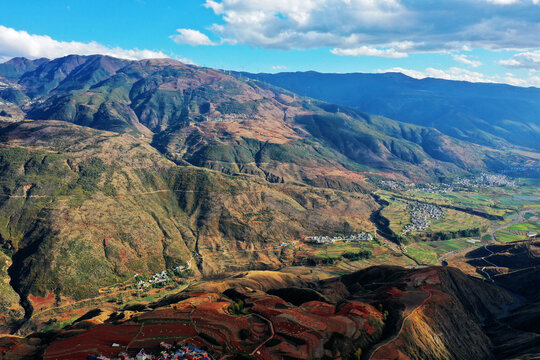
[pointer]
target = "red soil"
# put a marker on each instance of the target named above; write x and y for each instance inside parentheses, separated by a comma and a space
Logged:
(39, 302)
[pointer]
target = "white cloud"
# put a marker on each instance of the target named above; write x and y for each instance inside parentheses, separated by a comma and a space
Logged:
(279, 67)
(462, 58)
(526, 60)
(502, 2)
(512, 2)
(191, 37)
(370, 51)
(530, 81)
(20, 43)
(301, 24)
(453, 73)
(460, 74)
(359, 26)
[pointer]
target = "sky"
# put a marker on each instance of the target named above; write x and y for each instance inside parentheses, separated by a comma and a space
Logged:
(471, 40)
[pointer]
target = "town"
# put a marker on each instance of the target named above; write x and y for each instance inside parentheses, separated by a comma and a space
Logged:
(421, 213)
(363, 236)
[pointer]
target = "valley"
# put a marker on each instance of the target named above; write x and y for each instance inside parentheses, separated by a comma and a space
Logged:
(153, 201)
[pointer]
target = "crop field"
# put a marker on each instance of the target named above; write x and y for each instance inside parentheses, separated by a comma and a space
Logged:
(398, 215)
(449, 245)
(494, 200)
(428, 252)
(423, 253)
(337, 249)
(526, 226)
(458, 220)
(507, 236)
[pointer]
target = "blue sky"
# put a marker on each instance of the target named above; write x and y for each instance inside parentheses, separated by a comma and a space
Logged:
(475, 40)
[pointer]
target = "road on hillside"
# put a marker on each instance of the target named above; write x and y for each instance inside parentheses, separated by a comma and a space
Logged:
(370, 354)
(517, 220)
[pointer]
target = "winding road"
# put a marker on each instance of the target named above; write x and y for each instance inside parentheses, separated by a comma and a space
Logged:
(370, 354)
(517, 220)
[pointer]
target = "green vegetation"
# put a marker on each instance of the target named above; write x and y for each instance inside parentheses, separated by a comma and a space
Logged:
(237, 308)
(364, 254)
(423, 254)
(507, 236)
(90, 173)
(530, 226)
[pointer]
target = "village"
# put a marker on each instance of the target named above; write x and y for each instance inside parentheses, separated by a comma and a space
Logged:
(168, 352)
(162, 277)
(226, 118)
(363, 236)
(421, 213)
(485, 180)
(482, 180)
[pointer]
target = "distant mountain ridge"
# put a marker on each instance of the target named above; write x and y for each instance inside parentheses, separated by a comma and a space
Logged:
(208, 118)
(489, 114)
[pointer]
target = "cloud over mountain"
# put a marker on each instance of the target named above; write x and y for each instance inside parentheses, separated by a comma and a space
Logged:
(15, 43)
(526, 60)
(191, 37)
(366, 27)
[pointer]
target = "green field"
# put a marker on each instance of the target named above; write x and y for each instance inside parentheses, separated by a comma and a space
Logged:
(458, 220)
(422, 253)
(398, 215)
(502, 201)
(337, 249)
(528, 226)
(493, 200)
(507, 236)
(428, 252)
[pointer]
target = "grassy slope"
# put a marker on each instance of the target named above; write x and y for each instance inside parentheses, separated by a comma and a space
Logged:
(102, 206)
(273, 132)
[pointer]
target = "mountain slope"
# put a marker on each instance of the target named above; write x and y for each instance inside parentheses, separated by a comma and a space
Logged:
(207, 118)
(90, 208)
(131, 167)
(487, 114)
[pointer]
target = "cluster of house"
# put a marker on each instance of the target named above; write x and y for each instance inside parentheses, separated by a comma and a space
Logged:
(435, 188)
(167, 352)
(482, 180)
(363, 236)
(429, 188)
(421, 215)
(394, 185)
(226, 117)
(156, 278)
(160, 277)
(485, 180)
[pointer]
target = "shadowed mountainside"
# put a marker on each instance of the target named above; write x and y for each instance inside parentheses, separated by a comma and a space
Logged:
(206, 117)
(495, 115)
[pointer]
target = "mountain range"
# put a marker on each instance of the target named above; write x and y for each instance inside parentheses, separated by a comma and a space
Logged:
(112, 167)
(496, 115)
